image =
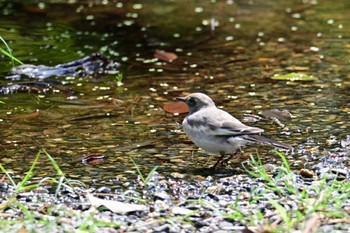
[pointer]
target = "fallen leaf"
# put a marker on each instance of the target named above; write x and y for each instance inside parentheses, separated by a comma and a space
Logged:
(165, 56)
(187, 141)
(176, 107)
(297, 68)
(22, 230)
(51, 131)
(306, 173)
(312, 224)
(276, 113)
(34, 114)
(2, 178)
(115, 206)
(294, 77)
(340, 220)
(43, 209)
(93, 159)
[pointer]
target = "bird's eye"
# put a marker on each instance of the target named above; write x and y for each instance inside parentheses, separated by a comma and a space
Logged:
(191, 101)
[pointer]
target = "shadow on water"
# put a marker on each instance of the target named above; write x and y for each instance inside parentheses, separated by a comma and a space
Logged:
(222, 50)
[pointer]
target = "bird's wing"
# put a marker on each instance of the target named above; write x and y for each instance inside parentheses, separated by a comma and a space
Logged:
(218, 122)
(227, 125)
(234, 128)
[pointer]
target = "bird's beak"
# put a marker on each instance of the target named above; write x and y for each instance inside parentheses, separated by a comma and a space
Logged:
(183, 99)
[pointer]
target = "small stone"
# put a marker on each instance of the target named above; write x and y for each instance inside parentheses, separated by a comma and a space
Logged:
(181, 211)
(177, 175)
(340, 173)
(162, 228)
(162, 196)
(306, 173)
(104, 190)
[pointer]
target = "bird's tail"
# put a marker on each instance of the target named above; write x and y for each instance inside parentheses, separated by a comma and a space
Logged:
(268, 141)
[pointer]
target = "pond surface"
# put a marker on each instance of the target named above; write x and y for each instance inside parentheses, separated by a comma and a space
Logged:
(229, 50)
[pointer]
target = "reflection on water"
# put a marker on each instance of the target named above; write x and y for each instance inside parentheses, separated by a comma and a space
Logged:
(229, 50)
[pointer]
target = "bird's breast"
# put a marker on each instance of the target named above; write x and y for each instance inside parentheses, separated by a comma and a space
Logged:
(204, 137)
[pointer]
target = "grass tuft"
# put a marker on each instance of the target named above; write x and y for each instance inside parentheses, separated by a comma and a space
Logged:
(8, 52)
(295, 202)
(145, 180)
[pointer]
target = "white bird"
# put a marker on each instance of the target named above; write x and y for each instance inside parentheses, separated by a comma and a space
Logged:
(218, 132)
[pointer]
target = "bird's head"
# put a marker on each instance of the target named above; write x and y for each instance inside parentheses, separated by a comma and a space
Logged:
(197, 101)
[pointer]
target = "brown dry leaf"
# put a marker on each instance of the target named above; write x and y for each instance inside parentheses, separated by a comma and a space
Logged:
(298, 68)
(34, 114)
(176, 107)
(165, 56)
(266, 59)
(22, 230)
(50, 131)
(93, 159)
(312, 224)
(306, 173)
(341, 220)
(115, 206)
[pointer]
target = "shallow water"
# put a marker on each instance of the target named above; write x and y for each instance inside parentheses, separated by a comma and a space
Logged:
(229, 50)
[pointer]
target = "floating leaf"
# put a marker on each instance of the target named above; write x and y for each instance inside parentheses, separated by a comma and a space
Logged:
(50, 131)
(176, 107)
(115, 206)
(165, 56)
(294, 77)
(93, 159)
(278, 114)
(34, 114)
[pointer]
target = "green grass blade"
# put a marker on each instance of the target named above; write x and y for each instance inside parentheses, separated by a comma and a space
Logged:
(53, 162)
(60, 182)
(284, 160)
(28, 187)
(252, 162)
(28, 215)
(138, 171)
(282, 211)
(150, 174)
(8, 175)
(8, 52)
(29, 173)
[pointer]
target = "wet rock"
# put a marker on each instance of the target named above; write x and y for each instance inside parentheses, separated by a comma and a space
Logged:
(161, 196)
(104, 190)
(345, 143)
(341, 174)
(181, 211)
(163, 228)
(226, 226)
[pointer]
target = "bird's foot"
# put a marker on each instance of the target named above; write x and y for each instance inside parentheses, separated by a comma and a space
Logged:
(224, 161)
(228, 158)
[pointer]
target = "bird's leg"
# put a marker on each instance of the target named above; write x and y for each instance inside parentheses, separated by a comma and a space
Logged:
(225, 161)
(219, 160)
